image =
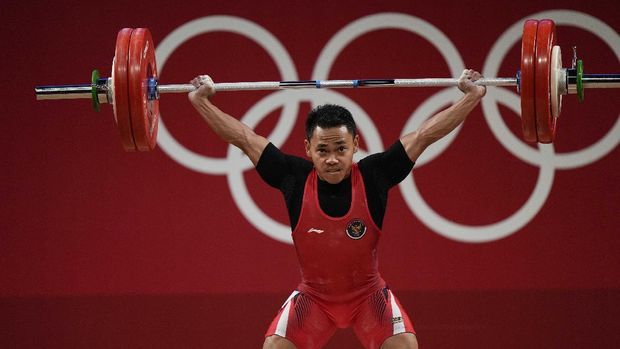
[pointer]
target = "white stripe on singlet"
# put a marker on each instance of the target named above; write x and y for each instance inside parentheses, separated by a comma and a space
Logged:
(283, 320)
(397, 317)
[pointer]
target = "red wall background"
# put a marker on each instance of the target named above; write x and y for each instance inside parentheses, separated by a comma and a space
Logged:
(102, 248)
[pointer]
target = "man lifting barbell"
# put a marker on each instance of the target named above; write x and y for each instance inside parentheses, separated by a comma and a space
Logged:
(335, 206)
(336, 209)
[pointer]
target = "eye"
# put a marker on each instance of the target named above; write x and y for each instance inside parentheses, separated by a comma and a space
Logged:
(342, 149)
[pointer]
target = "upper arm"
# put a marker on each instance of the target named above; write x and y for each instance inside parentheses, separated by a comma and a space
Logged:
(413, 145)
(230, 129)
(253, 145)
(389, 167)
(276, 167)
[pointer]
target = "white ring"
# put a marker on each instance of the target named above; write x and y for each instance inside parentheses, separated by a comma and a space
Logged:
(277, 52)
(489, 232)
(414, 25)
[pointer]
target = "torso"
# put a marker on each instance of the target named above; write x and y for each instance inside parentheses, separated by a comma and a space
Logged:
(337, 255)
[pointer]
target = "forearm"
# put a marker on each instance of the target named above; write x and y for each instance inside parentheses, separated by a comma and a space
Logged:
(230, 129)
(446, 121)
(439, 126)
(225, 126)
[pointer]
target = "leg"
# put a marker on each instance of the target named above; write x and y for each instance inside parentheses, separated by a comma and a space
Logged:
(401, 341)
(382, 323)
(300, 323)
(277, 342)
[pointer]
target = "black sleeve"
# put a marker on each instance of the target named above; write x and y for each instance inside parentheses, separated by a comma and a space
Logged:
(288, 174)
(389, 167)
(381, 172)
(274, 166)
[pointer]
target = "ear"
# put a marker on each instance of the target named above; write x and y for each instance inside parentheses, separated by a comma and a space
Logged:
(307, 146)
(356, 143)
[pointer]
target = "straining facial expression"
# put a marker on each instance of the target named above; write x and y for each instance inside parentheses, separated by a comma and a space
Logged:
(331, 140)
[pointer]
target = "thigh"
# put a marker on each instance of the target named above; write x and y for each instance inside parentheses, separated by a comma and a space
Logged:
(303, 322)
(380, 317)
(277, 342)
(401, 341)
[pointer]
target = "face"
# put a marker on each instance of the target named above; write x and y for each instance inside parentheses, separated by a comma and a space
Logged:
(331, 151)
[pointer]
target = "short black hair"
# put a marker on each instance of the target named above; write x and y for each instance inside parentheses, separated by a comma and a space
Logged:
(328, 116)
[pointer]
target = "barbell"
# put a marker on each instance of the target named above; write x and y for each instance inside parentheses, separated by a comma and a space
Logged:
(134, 89)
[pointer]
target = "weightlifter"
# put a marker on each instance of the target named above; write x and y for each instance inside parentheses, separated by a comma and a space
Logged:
(336, 209)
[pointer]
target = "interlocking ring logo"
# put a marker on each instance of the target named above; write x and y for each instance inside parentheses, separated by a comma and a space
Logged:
(235, 164)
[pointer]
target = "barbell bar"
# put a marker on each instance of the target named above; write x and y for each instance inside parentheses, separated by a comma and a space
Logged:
(134, 89)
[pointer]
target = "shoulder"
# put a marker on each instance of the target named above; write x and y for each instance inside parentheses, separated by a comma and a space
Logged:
(391, 165)
(275, 166)
(395, 153)
(273, 154)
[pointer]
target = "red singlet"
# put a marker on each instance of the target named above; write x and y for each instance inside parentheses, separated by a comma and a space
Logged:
(337, 256)
(341, 285)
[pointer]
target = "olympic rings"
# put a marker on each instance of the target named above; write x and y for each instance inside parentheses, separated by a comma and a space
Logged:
(235, 164)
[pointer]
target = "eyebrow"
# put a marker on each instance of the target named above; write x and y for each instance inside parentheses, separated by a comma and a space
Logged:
(325, 145)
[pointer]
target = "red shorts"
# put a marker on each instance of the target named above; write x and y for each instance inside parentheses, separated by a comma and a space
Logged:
(309, 322)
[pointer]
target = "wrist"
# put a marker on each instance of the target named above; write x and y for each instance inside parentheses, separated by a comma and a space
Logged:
(475, 94)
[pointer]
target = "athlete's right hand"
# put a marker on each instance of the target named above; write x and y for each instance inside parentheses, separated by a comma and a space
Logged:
(466, 83)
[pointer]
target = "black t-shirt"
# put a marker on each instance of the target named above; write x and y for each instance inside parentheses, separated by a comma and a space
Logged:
(380, 172)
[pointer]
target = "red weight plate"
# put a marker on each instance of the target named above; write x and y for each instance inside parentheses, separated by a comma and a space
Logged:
(121, 95)
(545, 40)
(144, 112)
(528, 75)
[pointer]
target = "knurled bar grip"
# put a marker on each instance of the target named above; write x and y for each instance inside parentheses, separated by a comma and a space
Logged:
(589, 81)
(276, 85)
